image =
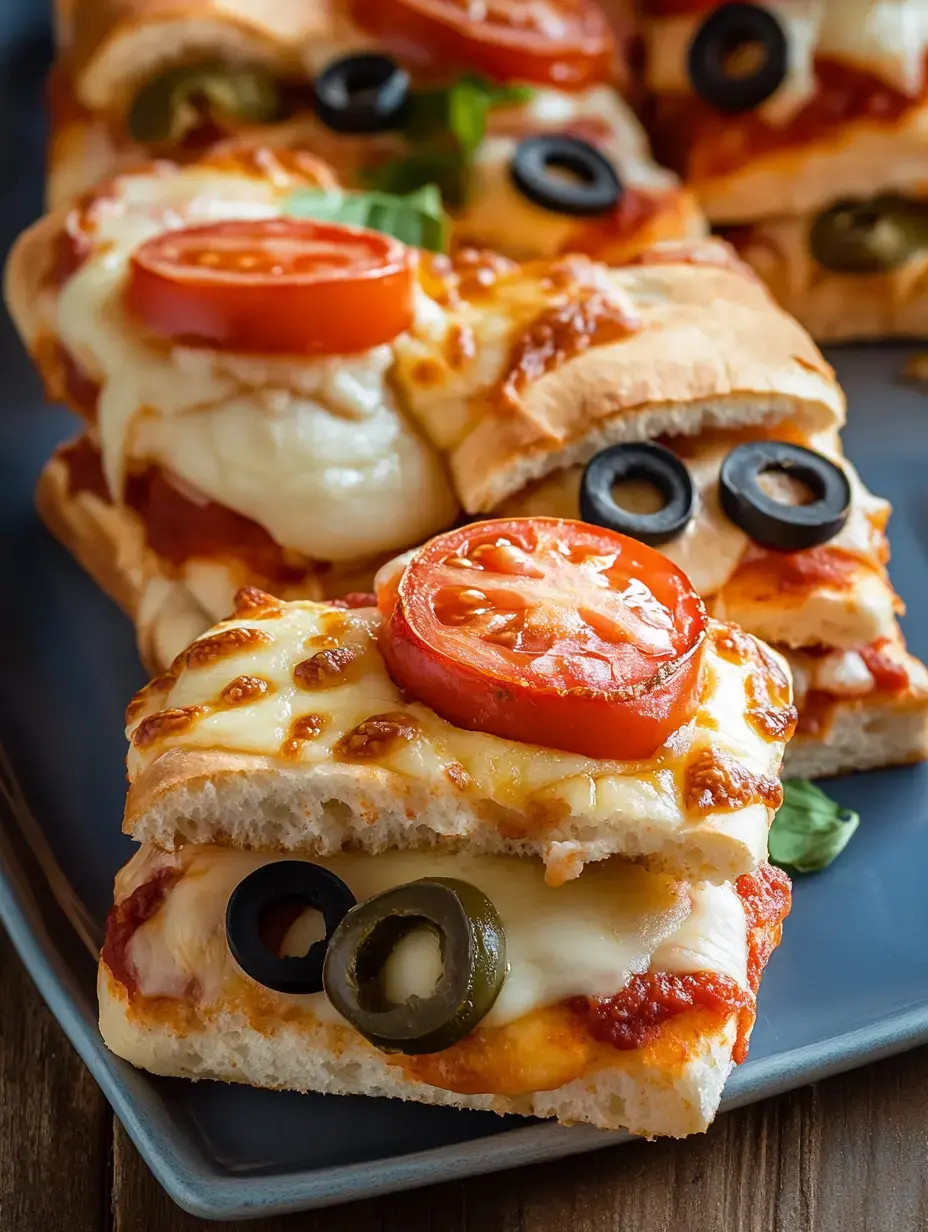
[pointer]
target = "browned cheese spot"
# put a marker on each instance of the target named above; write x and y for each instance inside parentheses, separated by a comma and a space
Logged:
(458, 776)
(715, 780)
(245, 689)
(166, 723)
(224, 644)
(161, 685)
(326, 668)
(377, 736)
(557, 334)
(252, 603)
(306, 727)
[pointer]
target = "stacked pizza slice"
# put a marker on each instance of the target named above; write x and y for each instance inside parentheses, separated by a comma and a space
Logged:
(273, 397)
(801, 127)
(498, 842)
(515, 114)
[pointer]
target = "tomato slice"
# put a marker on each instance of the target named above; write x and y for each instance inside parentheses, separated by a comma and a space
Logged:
(547, 631)
(565, 43)
(281, 285)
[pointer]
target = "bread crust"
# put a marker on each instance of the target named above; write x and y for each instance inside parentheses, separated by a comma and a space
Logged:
(117, 44)
(671, 1087)
(713, 350)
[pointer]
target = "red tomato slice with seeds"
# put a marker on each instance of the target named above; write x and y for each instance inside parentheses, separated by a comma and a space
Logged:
(279, 285)
(565, 43)
(549, 632)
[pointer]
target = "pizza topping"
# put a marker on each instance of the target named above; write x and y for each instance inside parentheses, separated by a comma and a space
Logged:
(564, 43)
(563, 174)
(210, 649)
(810, 830)
(763, 513)
(377, 737)
(183, 97)
(773, 721)
(739, 57)
(306, 727)
(326, 668)
(364, 976)
(557, 334)
(869, 237)
(254, 604)
(279, 285)
(166, 723)
(549, 632)
(416, 219)
(245, 689)
(291, 887)
(366, 93)
(715, 780)
(888, 674)
(127, 917)
(657, 498)
(635, 1016)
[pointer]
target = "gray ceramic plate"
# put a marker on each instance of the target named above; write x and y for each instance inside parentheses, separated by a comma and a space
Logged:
(849, 984)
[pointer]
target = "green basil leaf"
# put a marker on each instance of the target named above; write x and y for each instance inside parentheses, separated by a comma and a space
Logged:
(810, 829)
(444, 129)
(417, 218)
(445, 169)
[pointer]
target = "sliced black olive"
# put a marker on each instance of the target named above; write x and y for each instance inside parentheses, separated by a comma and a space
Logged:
(284, 886)
(170, 105)
(655, 465)
(738, 57)
(869, 237)
(771, 523)
(590, 186)
(473, 953)
(366, 93)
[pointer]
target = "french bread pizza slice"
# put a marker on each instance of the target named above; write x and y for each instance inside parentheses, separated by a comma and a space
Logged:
(533, 687)
(620, 1000)
(513, 113)
(809, 154)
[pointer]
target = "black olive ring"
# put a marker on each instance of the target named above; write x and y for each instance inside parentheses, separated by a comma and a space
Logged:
(284, 883)
(771, 523)
(474, 966)
(366, 93)
(591, 188)
(725, 30)
(656, 465)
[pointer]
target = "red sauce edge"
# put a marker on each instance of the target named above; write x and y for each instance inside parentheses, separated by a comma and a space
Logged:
(126, 918)
(701, 142)
(822, 566)
(636, 1015)
(890, 676)
(180, 529)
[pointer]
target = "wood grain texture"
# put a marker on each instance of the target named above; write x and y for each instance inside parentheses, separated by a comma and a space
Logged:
(55, 1126)
(847, 1155)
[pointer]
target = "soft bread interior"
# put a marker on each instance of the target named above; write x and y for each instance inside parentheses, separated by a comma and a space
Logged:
(672, 1088)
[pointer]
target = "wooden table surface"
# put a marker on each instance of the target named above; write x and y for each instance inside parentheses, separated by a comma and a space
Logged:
(847, 1155)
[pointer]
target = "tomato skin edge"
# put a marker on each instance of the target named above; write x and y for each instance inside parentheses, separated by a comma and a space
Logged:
(580, 721)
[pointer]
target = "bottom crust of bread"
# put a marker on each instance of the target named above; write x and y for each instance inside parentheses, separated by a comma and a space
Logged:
(670, 1088)
(863, 735)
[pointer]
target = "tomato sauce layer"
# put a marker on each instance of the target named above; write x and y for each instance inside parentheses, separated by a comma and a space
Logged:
(636, 1015)
(701, 142)
(180, 529)
(126, 918)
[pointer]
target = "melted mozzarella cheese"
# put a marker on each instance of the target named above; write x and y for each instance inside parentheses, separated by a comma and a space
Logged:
(669, 40)
(712, 547)
(316, 451)
(499, 216)
(885, 37)
(586, 938)
(634, 806)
